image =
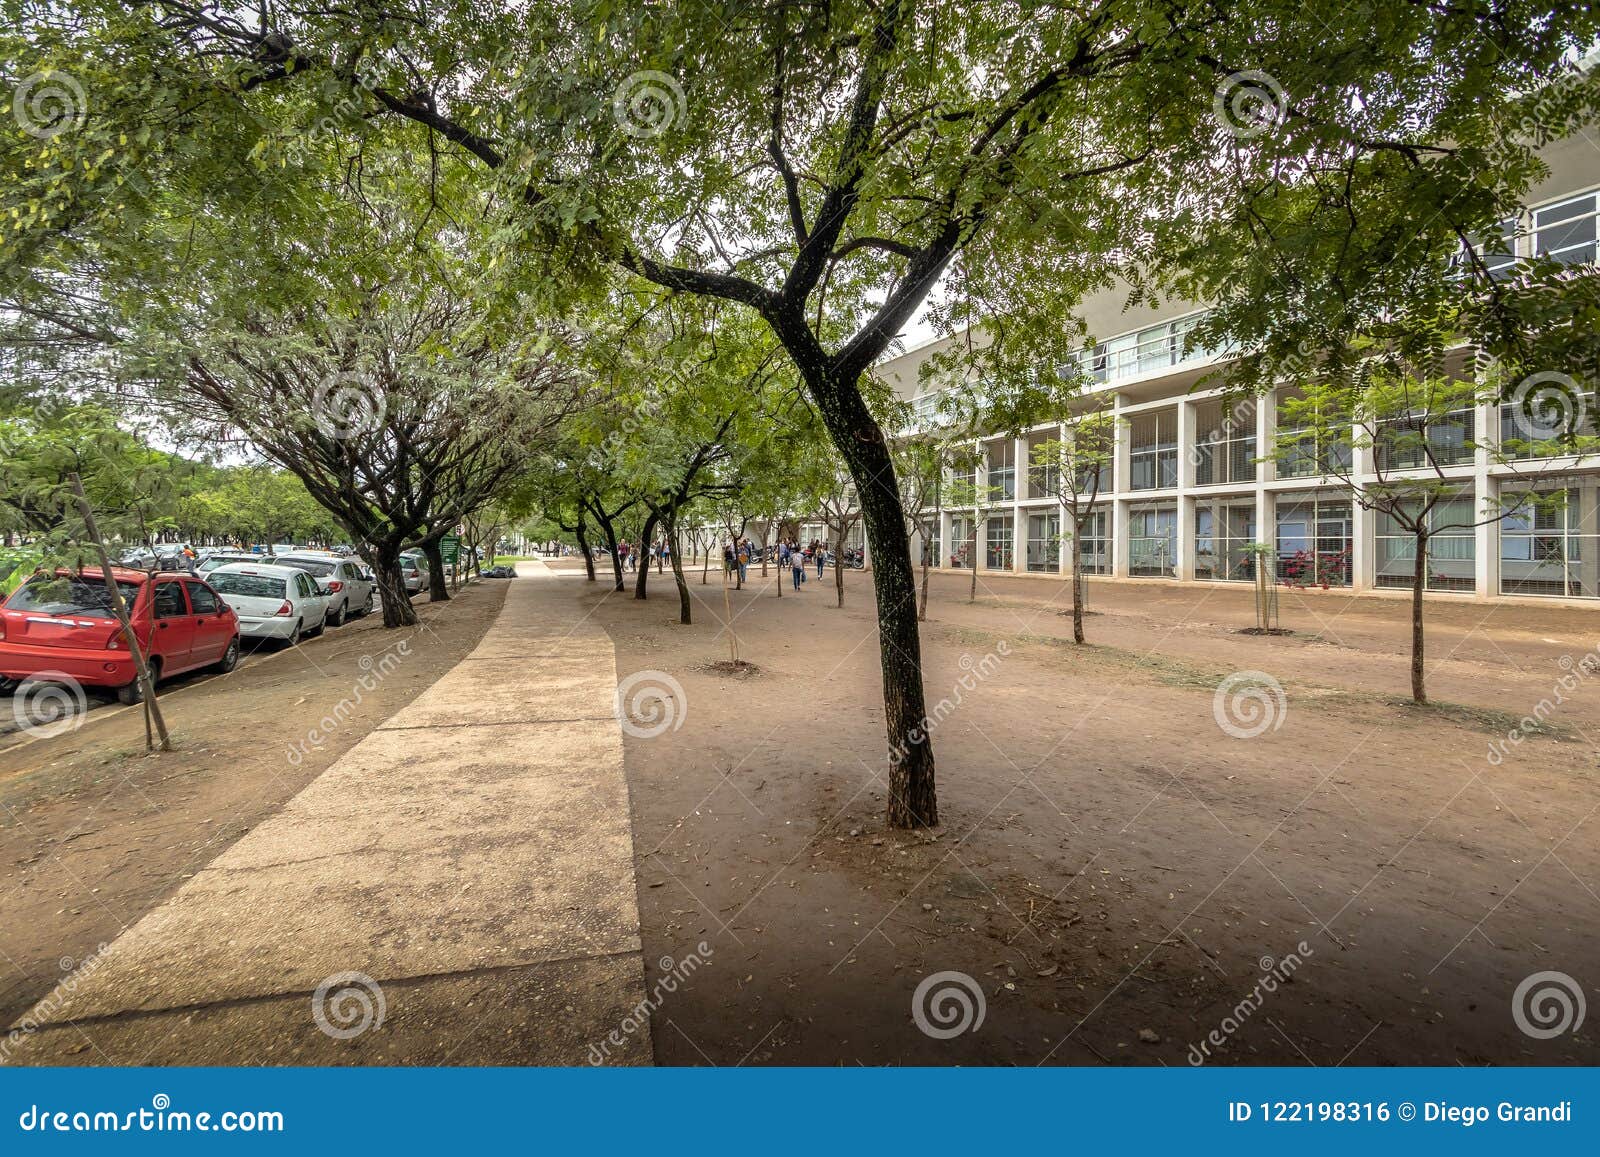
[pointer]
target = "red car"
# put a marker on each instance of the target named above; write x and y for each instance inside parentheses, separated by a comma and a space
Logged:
(65, 625)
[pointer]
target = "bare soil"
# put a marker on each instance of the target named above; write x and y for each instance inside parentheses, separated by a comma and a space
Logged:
(94, 832)
(1117, 871)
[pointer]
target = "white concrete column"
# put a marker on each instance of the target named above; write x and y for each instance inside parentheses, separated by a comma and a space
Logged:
(1019, 538)
(1486, 536)
(1363, 526)
(1119, 537)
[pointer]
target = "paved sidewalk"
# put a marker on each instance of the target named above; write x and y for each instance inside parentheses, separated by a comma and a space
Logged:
(471, 858)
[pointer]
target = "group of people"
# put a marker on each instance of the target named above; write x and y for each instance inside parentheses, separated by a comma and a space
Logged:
(628, 553)
(738, 553)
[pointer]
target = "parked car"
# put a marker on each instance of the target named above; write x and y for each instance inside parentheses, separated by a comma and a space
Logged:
(211, 561)
(349, 585)
(272, 602)
(63, 623)
(414, 572)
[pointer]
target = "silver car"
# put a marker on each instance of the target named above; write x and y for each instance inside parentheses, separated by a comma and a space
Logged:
(349, 585)
(272, 602)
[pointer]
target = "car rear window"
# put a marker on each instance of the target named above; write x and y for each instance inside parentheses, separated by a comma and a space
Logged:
(256, 586)
(80, 595)
(310, 565)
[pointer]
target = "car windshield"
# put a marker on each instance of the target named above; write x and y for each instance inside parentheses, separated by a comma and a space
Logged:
(256, 586)
(72, 595)
(310, 565)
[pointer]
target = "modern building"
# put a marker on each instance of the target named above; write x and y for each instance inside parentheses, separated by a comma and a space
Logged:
(1188, 492)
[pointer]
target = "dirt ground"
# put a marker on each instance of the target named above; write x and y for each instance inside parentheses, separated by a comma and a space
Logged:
(1364, 882)
(94, 832)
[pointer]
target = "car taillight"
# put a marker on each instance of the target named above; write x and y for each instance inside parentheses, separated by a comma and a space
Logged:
(286, 608)
(336, 586)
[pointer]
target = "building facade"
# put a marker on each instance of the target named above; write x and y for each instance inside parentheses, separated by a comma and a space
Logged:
(1190, 489)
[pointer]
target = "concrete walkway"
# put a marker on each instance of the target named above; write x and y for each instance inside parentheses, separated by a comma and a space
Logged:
(471, 859)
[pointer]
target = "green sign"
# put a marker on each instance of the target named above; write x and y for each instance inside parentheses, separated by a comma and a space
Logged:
(450, 548)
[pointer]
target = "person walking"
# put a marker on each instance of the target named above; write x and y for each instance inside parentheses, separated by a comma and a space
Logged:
(744, 560)
(797, 566)
(822, 559)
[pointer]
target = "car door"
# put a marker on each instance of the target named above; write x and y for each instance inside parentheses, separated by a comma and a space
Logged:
(172, 632)
(360, 585)
(213, 623)
(316, 603)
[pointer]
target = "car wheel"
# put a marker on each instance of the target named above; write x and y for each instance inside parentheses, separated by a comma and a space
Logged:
(335, 618)
(366, 608)
(230, 657)
(297, 634)
(320, 627)
(132, 693)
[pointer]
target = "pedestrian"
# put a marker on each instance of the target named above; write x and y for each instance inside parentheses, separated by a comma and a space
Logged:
(744, 560)
(797, 567)
(727, 558)
(822, 558)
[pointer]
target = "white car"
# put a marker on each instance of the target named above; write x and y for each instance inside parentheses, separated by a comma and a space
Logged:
(349, 585)
(272, 602)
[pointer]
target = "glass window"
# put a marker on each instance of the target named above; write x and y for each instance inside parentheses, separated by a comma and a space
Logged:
(961, 545)
(256, 586)
(1408, 443)
(1451, 547)
(1153, 450)
(1314, 540)
(1223, 533)
(81, 595)
(202, 599)
(1224, 442)
(169, 601)
(1566, 231)
(1044, 541)
(1549, 545)
(998, 555)
(1002, 465)
(1153, 541)
(1044, 472)
(1094, 547)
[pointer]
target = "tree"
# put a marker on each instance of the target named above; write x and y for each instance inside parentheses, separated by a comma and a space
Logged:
(1405, 425)
(840, 158)
(1076, 470)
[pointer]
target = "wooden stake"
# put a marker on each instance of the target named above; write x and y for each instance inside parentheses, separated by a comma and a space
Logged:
(147, 686)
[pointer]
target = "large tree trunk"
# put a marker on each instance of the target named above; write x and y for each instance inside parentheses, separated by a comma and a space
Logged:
(685, 604)
(913, 798)
(838, 567)
(438, 585)
(610, 532)
(588, 555)
(1419, 582)
(644, 563)
(397, 608)
(705, 563)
